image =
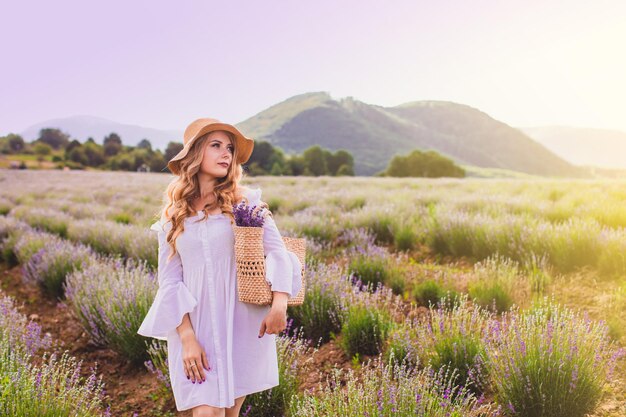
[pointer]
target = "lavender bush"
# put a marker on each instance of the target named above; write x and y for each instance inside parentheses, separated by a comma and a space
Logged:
(31, 241)
(10, 225)
(369, 263)
(316, 223)
(365, 329)
(430, 292)
(358, 240)
(5, 206)
(106, 237)
(111, 299)
(52, 221)
(612, 261)
(539, 273)
(569, 245)
(53, 388)
(405, 236)
(496, 282)
(381, 222)
(386, 390)
(17, 332)
(85, 210)
(10, 231)
(454, 338)
(50, 265)
(549, 361)
(402, 347)
(317, 252)
(319, 316)
(157, 365)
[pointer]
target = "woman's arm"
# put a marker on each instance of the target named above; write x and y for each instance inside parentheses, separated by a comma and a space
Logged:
(185, 330)
(276, 320)
(279, 302)
(173, 299)
(193, 352)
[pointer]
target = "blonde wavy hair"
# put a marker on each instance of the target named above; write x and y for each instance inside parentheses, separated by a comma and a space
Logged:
(181, 191)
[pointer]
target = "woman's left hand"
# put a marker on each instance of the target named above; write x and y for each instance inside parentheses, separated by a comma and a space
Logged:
(276, 320)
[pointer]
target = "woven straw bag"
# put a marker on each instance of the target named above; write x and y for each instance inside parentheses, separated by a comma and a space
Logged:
(252, 286)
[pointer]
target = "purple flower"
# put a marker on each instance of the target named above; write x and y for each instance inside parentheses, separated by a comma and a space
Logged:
(246, 215)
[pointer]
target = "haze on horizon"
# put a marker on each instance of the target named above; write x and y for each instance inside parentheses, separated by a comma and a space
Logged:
(161, 64)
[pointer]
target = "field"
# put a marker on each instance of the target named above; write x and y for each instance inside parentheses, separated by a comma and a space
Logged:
(432, 297)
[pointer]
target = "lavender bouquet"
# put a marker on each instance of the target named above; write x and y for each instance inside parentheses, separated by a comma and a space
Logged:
(248, 216)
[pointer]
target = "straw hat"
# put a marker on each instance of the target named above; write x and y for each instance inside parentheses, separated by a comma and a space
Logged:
(200, 127)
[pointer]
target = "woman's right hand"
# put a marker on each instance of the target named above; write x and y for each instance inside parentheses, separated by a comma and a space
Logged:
(194, 353)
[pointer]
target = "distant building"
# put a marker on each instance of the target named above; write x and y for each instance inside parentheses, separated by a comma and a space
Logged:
(143, 168)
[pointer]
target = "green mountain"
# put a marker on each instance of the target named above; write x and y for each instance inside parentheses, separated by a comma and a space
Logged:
(374, 134)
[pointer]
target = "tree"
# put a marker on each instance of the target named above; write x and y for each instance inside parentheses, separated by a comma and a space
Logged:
(423, 164)
(277, 169)
(255, 169)
(73, 144)
(94, 153)
(345, 169)
(121, 161)
(315, 161)
(341, 157)
(295, 166)
(145, 144)
(112, 144)
(53, 137)
(157, 162)
(140, 156)
(261, 154)
(172, 150)
(42, 149)
(15, 142)
(78, 155)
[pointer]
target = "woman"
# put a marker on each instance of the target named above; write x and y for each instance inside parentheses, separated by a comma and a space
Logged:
(219, 349)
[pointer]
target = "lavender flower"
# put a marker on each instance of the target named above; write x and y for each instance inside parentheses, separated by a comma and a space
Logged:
(245, 215)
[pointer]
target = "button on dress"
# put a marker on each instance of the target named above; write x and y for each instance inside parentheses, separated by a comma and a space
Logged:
(201, 279)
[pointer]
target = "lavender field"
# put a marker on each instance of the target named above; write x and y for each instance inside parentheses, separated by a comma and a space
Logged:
(427, 297)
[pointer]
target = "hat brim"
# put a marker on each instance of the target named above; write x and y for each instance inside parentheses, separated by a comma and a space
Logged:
(243, 144)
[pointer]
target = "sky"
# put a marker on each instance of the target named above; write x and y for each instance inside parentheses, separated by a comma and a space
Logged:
(162, 64)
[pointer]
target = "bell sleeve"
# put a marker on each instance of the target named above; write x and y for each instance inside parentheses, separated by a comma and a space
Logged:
(173, 299)
(283, 269)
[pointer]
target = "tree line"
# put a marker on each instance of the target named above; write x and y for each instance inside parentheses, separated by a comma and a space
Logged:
(52, 144)
(266, 159)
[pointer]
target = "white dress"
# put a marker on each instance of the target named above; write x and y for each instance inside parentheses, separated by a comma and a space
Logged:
(201, 279)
